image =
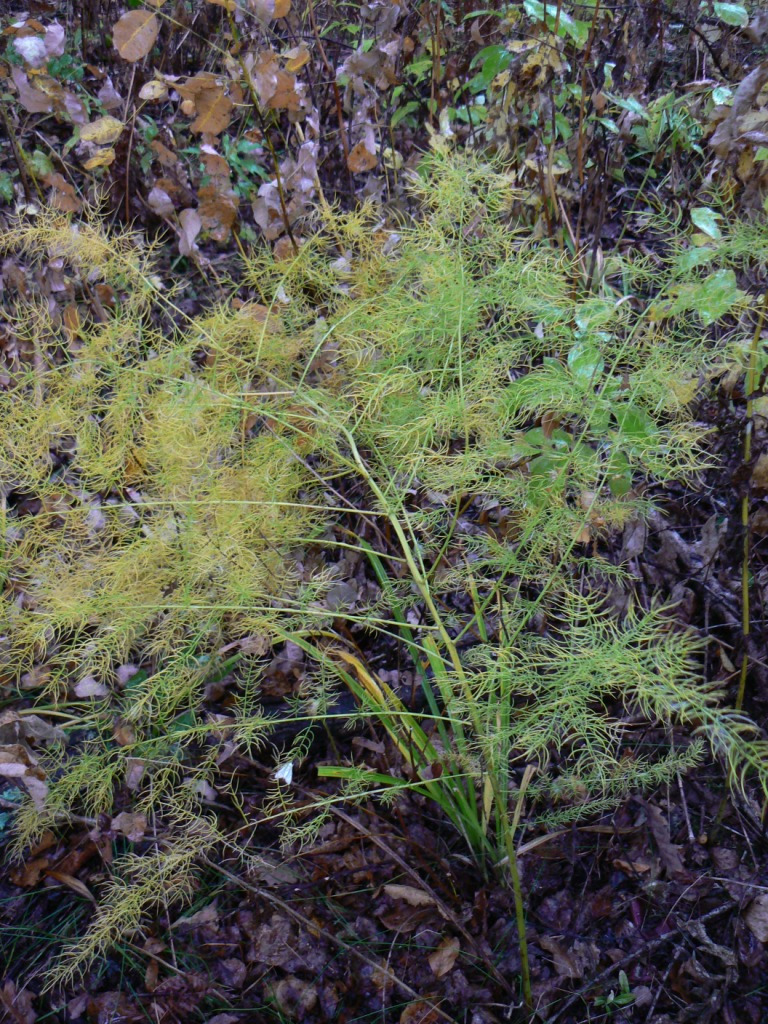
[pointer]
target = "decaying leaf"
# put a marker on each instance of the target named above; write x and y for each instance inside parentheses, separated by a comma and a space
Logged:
(135, 34)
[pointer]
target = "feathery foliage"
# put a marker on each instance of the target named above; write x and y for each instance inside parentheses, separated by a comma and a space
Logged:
(166, 477)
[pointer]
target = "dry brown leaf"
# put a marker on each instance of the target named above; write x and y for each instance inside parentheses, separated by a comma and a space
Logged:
(760, 472)
(103, 131)
(444, 957)
(756, 917)
(135, 34)
(413, 896)
(214, 110)
(160, 202)
(19, 763)
(72, 883)
(132, 826)
(296, 998)
(190, 229)
(669, 852)
(419, 1012)
(361, 159)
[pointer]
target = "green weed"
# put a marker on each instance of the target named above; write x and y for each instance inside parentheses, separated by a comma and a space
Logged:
(492, 418)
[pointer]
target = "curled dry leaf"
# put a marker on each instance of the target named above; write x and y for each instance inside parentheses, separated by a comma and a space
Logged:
(361, 159)
(134, 34)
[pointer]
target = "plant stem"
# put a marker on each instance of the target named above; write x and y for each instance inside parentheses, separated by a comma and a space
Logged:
(750, 385)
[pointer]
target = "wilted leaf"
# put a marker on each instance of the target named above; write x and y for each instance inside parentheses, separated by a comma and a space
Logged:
(444, 957)
(419, 1012)
(103, 131)
(72, 883)
(214, 109)
(63, 196)
(134, 34)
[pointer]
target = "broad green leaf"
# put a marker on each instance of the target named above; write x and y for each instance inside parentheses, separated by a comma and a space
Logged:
(634, 424)
(577, 30)
(705, 219)
(722, 94)
(585, 362)
(732, 14)
(711, 298)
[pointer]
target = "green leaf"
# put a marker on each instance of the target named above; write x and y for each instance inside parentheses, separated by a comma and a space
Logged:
(732, 14)
(585, 362)
(705, 219)
(566, 25)
(634, 424)
(403, 112)
(40, 164)
(711, 298)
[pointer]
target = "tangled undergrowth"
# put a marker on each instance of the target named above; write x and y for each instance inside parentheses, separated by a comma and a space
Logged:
(449, 399)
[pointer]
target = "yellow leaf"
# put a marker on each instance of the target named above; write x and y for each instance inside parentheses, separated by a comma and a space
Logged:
(103, 158)
(134, 34)
(296, 58)
(104, 131)
(154, 90)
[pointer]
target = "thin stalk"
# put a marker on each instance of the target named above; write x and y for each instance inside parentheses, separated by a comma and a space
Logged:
(750, 387)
